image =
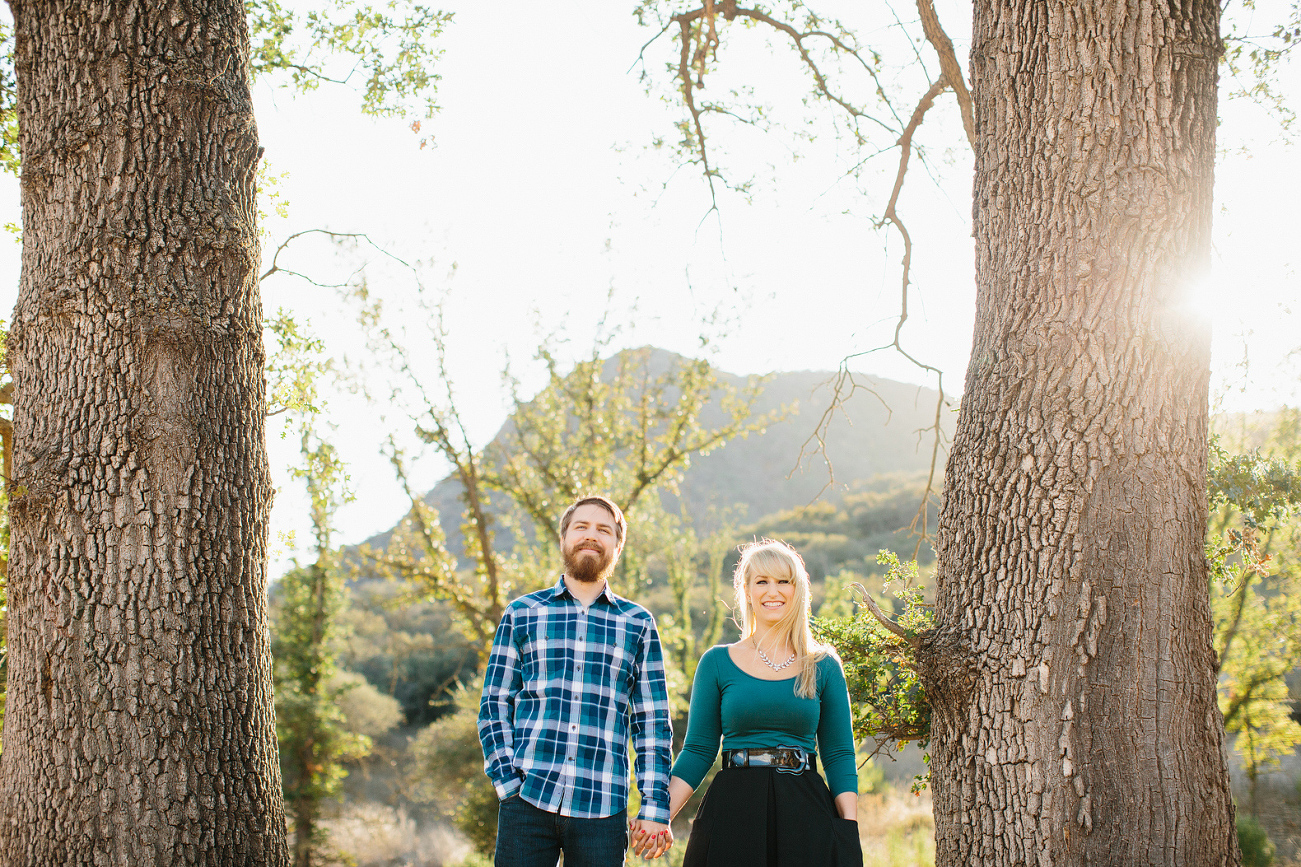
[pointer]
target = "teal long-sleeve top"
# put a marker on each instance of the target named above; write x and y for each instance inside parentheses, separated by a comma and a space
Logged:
(747, 712)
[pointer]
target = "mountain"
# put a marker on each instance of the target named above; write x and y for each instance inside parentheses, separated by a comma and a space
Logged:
(878, 429)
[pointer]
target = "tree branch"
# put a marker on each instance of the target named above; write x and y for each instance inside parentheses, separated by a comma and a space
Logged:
(844, 377)
(275, 257)
(949, 66)
(912, 640)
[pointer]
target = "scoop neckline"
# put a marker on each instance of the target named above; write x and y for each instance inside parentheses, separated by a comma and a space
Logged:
(727, 650)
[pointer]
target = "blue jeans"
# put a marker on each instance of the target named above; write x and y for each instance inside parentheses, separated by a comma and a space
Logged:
(528, 836)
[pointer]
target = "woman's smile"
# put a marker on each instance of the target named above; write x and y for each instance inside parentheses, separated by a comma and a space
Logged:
(769, 596)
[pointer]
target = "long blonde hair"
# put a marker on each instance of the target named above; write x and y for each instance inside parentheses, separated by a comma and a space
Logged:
(775, 559)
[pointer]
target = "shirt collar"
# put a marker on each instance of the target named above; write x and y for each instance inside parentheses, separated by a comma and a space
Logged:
(561, 590)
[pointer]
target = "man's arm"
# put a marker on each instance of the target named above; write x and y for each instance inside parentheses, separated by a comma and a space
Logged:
(652, 733)
(501, 682)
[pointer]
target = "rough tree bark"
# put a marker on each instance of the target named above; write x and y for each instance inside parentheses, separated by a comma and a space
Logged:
(1071, 673)
(140, 724)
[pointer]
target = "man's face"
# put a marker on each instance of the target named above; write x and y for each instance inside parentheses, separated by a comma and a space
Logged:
(590, 545)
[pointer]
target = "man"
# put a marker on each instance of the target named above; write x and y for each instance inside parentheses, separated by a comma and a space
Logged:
(574, 672)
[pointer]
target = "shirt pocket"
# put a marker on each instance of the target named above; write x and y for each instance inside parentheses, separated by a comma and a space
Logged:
(538, 652)
(554, 654)
(622, 647)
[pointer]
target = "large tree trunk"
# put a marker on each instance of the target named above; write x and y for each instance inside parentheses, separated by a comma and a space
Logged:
(140, 724)
(1071, 674)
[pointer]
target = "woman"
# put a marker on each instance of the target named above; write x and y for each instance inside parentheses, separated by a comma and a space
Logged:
(778, 700)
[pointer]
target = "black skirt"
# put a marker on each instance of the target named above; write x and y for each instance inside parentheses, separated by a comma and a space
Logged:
(760, 817)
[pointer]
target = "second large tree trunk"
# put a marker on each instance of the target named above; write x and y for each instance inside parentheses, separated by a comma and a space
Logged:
(1072, 674)
(140, 726)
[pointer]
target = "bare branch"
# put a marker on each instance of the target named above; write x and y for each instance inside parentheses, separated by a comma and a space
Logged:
(891, 213)
(844, 384)
(949, 66)
(275, 257)
(798, 38)
(698, 26)
(306, 70)
(641, 55)
(688, 96)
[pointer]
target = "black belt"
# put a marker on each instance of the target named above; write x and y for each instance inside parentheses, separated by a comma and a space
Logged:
(787, 760)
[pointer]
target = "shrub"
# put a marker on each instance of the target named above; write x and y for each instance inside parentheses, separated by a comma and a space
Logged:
(1257, 848)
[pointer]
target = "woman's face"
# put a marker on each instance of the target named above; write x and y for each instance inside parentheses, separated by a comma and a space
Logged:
(770, 598)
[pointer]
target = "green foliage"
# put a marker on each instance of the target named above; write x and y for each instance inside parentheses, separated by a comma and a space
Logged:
(903, 848)
(417, 557)
(271, 201)
(1255, 56)
(310, 726)
(1254, 558)
(295, 363)
(1257, 848)
(391, 44)
(406, 646)
(447, 770)
(1258, 639)
(691, 590)
(366, 711)
(474, 859)
(838, 598)
(1258, 487)
(871, 777)
(889, 702)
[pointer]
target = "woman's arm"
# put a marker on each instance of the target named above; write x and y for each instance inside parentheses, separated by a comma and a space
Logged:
(836, 738)
(846, 805)
(679, 793)
(704, 723)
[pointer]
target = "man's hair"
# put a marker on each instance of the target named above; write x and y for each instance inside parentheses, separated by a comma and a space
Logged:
(620, 525)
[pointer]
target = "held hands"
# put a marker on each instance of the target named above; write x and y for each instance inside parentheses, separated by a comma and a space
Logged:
(650, 839)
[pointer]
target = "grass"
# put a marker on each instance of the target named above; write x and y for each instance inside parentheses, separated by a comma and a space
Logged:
(897, 829)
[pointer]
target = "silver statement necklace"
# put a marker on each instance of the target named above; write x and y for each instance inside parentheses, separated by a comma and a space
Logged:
(768, 662)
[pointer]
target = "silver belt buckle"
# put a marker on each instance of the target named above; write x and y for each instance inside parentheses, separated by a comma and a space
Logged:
(803, 762)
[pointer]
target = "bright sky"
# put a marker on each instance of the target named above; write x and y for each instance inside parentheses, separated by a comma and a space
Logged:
(544, 194)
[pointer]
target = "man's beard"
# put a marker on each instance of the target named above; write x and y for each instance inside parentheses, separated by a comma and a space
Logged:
(586, 569)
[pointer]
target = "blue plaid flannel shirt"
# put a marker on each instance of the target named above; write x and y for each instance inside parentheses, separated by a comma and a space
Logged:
(565, 689)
